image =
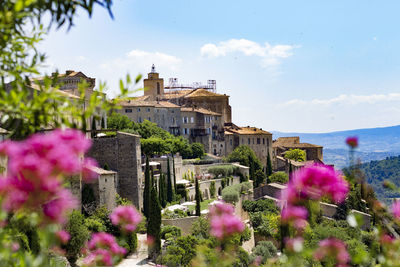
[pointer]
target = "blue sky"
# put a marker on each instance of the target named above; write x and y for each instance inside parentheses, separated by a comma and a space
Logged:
(306, 66)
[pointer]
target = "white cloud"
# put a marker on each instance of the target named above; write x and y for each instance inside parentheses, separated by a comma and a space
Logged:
(271, 55)
(347, 99)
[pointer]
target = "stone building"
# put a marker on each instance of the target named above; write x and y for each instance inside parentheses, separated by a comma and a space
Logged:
(202, 126)
(166, 115)
(283, 144)
(121, 153)
(257, 139)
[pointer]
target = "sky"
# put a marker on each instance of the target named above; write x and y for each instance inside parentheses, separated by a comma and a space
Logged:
(292, 66)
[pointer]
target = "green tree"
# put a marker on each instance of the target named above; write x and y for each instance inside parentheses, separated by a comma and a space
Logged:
(147, 188)
(279, 177)
(79, 234)
(269, 165)
(173, 168)
(161, 189)
(197, 197)
(154, 224)
(103, 123)
(197, 150)
(154, 146)
(296, 155)
(212, 189)
(259, 178)
(170, 192)
(119, 122)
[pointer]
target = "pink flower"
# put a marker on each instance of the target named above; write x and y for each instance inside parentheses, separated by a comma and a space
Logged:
(63, 236)
(127, 217)
(294, 244)
(352, 141)
(88, 175)
(396, 209)
(333, 248)
(36, 167)
(314, 182)
(295, 215)
(103, 250)
(223, 222)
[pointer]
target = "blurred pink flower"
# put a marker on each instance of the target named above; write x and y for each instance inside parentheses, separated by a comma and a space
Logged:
(63, 236)
(127, 217)
(396, 209)
(223, 222)
(295, 215)
(88, 175)
(103, 250)
(333, 248)
(294, 244)
(352, 141)
(36, 167)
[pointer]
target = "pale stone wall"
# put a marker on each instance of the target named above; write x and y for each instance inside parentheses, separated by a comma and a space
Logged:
(184, 223)
(154, 86)
(205, 187)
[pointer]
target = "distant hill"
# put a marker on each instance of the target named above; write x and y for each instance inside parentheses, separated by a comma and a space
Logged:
(375, 143)
(378, 171)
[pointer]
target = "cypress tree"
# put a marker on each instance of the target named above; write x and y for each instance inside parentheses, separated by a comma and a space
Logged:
(147, 186)
(173, 166)
(161, 191)
(103, 123)
(154, 224)
(269, 165)
(170, 193)
(197, 197)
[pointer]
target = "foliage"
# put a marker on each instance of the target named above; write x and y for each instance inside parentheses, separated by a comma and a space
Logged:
(232, 193)
(296, 155)
(154, 146)
(201, 228)
(223, 170)
(79, 234)
(180, 252)
(170, 192)
(170, 232)
(154, 223)
(197, 150)
(265, 250)
(175, 214)
(212, 189)
(119, 122)
(245, 156)
(268, 170)
(279, 177)
(94, 225)
(263, 205)
(121, 201)
(259, 178)
(197, 197)
(162, 196)
(147, 188)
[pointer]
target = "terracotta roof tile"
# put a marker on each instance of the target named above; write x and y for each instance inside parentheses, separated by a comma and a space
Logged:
(200, 110)
(247, 130)
(203, 93)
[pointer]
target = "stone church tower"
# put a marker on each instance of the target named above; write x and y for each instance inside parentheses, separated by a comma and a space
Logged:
(154, 85)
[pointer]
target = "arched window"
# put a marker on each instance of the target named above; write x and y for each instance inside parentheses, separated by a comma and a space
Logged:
(158, 88)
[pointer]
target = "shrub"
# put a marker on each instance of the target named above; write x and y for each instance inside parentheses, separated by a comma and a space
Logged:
(212, 189)
(223, 170)
(279, 177)
(171, 231)
(265, 250)
(132, 242)
(296, 155)
(260, 205)
(79, 234)
(201, 228)
(259, 178)
(230, 194)
(94, 225)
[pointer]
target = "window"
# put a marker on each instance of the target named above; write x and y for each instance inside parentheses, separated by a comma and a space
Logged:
(148, 109)
(128, 110)
(172, 111)
(263, 141)
(230, 141)
(249, 141)
(185, 130)
(258, 141)
(158, 88)
(140, 119)
(138, 110)
(191, 120)
(149, 119)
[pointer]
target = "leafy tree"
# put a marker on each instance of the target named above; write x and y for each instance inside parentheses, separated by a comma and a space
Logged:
(269, 165)
(180, 252)
(154, 223)
(245, 156)
(118, 121)
(147, 188)
(173, 168)
(154, 146)
(201, 228)
(259, 178)
(296, 155)
(279, 177)
(265, 250)
(197, 197)
(170, 231)
(197, 150)
(103, 123)
(170, 192)
(79, 234)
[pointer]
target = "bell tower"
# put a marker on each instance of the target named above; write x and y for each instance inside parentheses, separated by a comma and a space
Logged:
(154, 85)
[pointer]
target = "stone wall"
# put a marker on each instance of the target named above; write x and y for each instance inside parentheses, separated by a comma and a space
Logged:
(122, 154)
(205, 188)
(184, 223)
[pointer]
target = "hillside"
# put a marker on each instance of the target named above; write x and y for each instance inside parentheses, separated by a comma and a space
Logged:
(378, 171)
(375, 143)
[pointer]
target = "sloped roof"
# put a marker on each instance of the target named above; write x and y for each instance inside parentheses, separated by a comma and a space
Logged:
(203, 93)
(100, 170)
(200, 110)
(177, 93)
(142, 103)
(292, 142)
(247, 130)
(37, 87)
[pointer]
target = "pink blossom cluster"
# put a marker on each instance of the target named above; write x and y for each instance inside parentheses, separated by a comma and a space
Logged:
(396, 209)
(127, 217)
(333, 248)
(223, 221)
(36, 166)
(352, 141)
(103, 250)
(63, 236)
(311, 182)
